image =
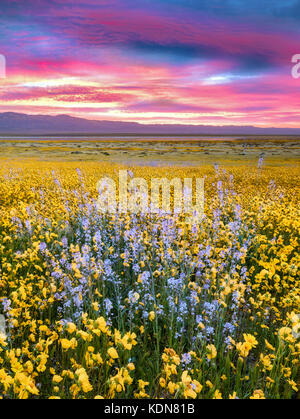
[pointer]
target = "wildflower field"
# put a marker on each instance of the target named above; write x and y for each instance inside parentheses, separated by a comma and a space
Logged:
(126, 305)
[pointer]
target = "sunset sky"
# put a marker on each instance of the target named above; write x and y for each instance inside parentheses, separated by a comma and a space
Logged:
(216, 62)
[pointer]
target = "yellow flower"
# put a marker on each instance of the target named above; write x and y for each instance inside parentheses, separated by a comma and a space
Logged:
(266, 361)
(172, 387)
(67, 344)
(209, 384)
(217, 395)
(71, 328)
(251, 340)
(83, 380)
(25, 384)
(293, 385)
(269, 346)
(143, 384)
(162, 382)
(151, 316)
(131, 366)
(95, 306)
(191, 387)
(129, 340)
(101, 324)
(212, 352)
(117, 382)
(113, 353)
(285, 333)
(5, 379)
(258, 394)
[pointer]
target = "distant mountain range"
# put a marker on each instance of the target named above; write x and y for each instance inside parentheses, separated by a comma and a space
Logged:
(19, 123)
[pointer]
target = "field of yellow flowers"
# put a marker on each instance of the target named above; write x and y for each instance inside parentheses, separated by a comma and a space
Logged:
(99, 305)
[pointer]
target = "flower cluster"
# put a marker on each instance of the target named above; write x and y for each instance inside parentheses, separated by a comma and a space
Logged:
(100, 305)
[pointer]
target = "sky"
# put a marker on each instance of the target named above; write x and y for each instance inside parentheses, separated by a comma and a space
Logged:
(212, 62)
